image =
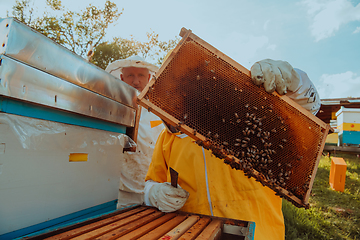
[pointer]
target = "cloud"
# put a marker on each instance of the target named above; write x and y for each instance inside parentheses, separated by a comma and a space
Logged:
(340, 85)
(266, 25)
(328, 16)
(357, 30)
(244, 47)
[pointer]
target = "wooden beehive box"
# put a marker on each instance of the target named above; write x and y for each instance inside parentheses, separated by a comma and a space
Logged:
(148, 223)
(211, 98)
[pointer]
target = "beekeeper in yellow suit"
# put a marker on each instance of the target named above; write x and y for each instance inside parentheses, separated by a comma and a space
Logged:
(207, 185)
(136, 72)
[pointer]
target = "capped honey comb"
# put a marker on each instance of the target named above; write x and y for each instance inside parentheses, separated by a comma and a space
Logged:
(210, 97)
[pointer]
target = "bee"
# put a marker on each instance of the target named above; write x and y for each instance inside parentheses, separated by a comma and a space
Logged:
(284, 140)
(225, 143)
(198, 77)
(281, 146)
(236, 115)
(216, 135)
(185, 116)
(238, 120)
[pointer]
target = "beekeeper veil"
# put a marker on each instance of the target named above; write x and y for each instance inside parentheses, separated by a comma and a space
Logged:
(115, 68)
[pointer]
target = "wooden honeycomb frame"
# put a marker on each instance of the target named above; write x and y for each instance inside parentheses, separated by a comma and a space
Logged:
(210, 97)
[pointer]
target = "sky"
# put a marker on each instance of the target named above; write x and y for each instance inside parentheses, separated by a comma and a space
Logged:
(320, 37)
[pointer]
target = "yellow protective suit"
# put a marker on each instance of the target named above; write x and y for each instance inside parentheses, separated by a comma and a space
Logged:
(231, 193)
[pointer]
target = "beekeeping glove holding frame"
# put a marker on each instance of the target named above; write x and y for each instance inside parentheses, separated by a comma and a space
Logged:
(280, 75)
(164, 196)
(275, 75)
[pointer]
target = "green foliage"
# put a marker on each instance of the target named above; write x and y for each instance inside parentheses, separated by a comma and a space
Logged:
(86, 30)
(332, 215)
(77, 31)
(152, 50)
(106, 53)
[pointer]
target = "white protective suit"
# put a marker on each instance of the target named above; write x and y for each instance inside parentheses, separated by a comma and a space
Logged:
(134, 165)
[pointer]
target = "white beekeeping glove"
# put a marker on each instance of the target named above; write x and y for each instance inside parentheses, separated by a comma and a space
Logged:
(164, 196)
(275, 75)
(282, 77)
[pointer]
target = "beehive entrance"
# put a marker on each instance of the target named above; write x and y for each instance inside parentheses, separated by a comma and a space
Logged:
(259, 133)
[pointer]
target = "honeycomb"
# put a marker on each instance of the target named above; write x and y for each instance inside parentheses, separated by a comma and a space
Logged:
(217, 104)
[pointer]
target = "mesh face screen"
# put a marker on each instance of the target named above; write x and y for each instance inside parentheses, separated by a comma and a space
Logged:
(252, 130)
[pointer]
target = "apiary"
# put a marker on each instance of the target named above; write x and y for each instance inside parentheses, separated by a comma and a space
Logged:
(141, 222)
(211, 98)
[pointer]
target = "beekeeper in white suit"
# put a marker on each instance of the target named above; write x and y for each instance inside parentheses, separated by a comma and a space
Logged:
(136, 72)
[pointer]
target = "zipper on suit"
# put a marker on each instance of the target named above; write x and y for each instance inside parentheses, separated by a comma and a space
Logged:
(207, 184)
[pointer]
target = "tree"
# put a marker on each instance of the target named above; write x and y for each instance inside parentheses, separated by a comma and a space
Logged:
(85, 30)
(152, 50)
(77, 31)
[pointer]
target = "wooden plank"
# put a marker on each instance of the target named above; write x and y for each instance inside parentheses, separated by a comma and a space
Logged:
(180, 229)
(109, 227)
(212, 231)
(147, 228)
(307, 196)
(130, 227)
(196, 229)
(164, 228)
(87, 228)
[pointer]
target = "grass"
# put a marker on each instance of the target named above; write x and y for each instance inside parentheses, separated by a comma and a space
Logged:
(332, 215)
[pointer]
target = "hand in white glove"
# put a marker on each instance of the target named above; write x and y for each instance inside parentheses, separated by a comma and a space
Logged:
(275, 75)
(164, 196)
